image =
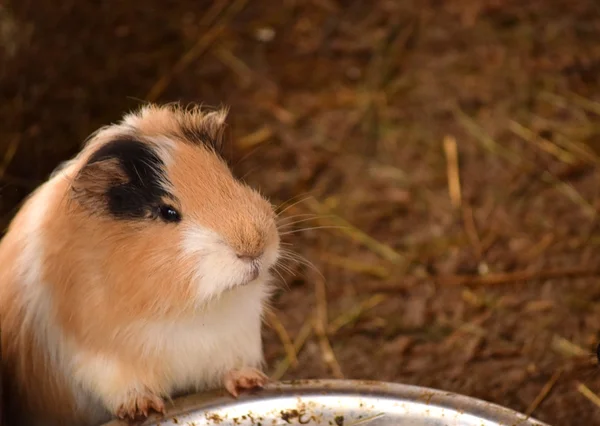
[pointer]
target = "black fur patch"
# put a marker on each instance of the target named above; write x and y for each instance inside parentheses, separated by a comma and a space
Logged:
(142, 195)
(202, 132)
(199, 136)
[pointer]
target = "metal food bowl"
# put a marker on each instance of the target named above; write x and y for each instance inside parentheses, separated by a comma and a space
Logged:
(336, 403)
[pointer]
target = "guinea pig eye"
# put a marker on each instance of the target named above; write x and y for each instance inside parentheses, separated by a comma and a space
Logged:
(169, 214)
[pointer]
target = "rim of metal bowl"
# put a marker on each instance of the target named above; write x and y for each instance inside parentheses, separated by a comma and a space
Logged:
(307, 392)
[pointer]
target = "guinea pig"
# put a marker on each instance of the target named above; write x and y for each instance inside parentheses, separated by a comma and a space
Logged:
(137, 272)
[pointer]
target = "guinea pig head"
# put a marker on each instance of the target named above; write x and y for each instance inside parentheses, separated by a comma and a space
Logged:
(172, 213)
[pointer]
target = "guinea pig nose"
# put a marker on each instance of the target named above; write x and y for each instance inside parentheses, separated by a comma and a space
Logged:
(246, 257)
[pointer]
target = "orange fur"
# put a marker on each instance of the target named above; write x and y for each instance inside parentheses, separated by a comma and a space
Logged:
(23, 362)
(110, 284)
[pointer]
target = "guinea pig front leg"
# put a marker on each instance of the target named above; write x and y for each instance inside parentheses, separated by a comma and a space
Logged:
(244, 378)
(138, 404)
(124, 392)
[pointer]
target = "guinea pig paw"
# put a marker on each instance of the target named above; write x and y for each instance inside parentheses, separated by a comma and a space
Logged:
(139, 406)
(244, 379)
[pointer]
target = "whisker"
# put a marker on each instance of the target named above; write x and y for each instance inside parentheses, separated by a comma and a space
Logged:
(287, 261)
(287, 256)
(295, 215)
(298, 273)
(302, 194)
(289, 253)
(285, 284)
(302, 260)
(296, 222)
(290, 259)
(248, 155)
(310, 229)
(293, 204)
(284, 220)
(248, 172)
(286, 268)
(299, 261)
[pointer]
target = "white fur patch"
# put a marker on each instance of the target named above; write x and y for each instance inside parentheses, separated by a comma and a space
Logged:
(165, 148)
(218, 268)
(37, 300)
(198, 352)
(104, 378)
(194, 354)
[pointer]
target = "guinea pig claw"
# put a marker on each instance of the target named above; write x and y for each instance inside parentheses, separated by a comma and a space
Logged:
(139, 407)
(244, 379)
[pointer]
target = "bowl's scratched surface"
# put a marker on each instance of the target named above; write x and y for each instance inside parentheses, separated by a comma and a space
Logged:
(338, 403)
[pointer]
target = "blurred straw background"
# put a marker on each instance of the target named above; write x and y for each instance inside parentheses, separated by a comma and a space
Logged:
(436, 165)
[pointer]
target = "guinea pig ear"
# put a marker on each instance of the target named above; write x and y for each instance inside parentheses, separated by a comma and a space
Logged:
(201, 128)
(215, 125)
(91, 184)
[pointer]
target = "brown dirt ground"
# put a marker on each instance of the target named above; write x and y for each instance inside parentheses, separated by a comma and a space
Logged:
(495, 295)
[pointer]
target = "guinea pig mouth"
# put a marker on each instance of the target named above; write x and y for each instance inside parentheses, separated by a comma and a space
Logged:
(251, 272)
(254, 272)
